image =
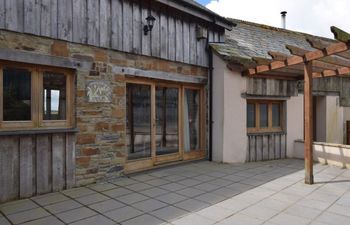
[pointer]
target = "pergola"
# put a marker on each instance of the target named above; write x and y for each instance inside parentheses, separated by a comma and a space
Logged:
(329, 59)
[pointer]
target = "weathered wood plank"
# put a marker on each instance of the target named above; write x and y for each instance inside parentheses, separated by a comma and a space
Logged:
(193, 43)
(265, 155)
(14, 15)
(137, 28)
(65, 20)
(9, 186)
(146, 39)
(283, 147)
(259, 148)
(117, 24)
(70, 160)
(27, 167)
(252, 148)
(93, 23)
(186, 41)
(155, 33)
(105, 23)
(43, 164)
(32, 10)
(179, 40)
(272, 147)
(163, 34)
(2, 14)
(58, 161)
(80, 21)
(45, 20)
(277, 147)
(127, 26)
(171, 38)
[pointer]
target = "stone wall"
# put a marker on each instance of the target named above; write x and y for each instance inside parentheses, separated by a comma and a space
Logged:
(100, 142)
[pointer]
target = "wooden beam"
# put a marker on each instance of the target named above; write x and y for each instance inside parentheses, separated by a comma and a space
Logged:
(329, 73)
(308, 123)
(322, 63)
(340, 35)
(321, 44)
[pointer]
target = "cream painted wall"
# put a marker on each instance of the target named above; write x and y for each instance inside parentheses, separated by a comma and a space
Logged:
(218, 106)
(229, 114)
(335, 120)
(321, 115)
(294, 120)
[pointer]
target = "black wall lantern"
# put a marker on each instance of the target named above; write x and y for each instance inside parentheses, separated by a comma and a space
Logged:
(150, 22)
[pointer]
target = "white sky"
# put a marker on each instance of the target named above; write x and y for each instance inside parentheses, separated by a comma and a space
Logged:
(310, 16)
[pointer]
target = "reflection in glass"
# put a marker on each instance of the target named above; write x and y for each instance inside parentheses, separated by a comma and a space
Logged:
(276, 115)
(263, 115)
(138, 105)
(17, 94)
(54, 96)
(167, 137)
(251, 115)
(191, 120)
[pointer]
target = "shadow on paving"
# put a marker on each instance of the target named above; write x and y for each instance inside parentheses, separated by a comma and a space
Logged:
(154, 197)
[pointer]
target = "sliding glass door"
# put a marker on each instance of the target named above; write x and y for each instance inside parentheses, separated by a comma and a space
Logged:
(164, 123)
(167, 120)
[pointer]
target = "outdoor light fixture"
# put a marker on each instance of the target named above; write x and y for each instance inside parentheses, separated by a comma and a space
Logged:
(150, 22)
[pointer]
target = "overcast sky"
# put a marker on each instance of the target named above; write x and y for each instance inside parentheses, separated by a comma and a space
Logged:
(310, 16)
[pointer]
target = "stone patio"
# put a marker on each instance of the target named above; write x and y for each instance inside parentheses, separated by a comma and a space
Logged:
(197, 193)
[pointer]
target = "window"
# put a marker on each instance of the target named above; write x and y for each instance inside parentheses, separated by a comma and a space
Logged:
(33, 97)
(264, 116)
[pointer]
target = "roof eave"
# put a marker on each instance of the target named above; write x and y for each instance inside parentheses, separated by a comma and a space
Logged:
(194, 10)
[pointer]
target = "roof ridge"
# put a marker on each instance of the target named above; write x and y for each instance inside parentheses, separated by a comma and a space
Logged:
(278, 29)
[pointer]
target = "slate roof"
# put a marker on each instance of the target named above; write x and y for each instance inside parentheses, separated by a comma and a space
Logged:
(247, 40)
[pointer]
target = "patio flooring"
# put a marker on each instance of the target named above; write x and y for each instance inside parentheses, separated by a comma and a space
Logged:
(201, 193)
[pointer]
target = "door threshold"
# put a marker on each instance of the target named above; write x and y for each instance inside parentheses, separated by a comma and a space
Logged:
(161, 166)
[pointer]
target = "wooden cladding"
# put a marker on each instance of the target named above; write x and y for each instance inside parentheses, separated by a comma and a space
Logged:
(115, 24)
(36, 164)
(263, 147)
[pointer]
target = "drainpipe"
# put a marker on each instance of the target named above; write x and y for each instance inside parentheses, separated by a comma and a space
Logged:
(210, 103)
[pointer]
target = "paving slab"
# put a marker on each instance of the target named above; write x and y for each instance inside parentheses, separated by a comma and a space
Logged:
(50, 220)
(94, 220)
(123, 214)
(93, 198)
(169, 213)
(144, 220)
(63, 206)
(171, 198)
(50, 198)
(106, 206)
(76, 214)
(28, 215)
(149, 205)
(192, 205)
(17, 206)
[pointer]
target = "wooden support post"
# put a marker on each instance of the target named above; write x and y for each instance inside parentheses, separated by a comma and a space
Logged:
(308, 123)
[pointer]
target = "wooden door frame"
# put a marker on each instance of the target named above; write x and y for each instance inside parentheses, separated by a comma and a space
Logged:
(154, 160)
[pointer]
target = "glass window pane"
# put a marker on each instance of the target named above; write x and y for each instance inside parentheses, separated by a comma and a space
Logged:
(276, 115)
(167, 137)
(138, 105)
(54, 96)
(191, 120)
(251, 115)
(264, 115)
(17, 95)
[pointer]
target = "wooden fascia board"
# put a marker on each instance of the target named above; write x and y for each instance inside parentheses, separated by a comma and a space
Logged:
(197, 13)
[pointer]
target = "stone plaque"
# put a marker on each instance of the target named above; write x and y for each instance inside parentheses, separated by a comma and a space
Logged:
(99, 91)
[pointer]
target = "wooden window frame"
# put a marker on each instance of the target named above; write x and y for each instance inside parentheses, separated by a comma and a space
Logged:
(37, 121)
(269, 128)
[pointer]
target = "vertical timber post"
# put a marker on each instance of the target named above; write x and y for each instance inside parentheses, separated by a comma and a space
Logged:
(308, 123)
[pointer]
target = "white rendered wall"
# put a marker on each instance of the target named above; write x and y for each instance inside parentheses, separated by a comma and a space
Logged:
(295, 122)
(229, 114)
(335, 121)
(218, 108)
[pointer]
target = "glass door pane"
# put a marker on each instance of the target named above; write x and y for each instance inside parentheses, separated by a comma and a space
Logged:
(191, 120)
(138, 105)
(167, 131)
